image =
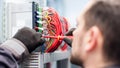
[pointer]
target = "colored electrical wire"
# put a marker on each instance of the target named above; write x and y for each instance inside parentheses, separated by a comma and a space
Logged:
(54, 27)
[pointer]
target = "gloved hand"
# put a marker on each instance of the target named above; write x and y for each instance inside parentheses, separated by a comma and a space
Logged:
(69, 33)
(30, 38)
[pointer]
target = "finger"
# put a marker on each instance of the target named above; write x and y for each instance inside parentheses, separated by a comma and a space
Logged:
(39, 38)
(69, 33)
(68, 41)
(42, 41)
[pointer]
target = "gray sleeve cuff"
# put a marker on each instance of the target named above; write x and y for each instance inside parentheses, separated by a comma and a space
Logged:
(17, 48)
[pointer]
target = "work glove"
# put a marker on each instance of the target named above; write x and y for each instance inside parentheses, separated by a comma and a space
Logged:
(69, 33)
(30, 38)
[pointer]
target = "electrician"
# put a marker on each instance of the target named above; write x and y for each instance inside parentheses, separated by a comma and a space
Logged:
(96, 42)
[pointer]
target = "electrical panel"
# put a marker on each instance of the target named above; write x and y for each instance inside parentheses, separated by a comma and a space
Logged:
(43, 19)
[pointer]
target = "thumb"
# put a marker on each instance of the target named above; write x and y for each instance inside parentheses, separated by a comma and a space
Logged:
(69, 33)
(68, 41)
(42, 41)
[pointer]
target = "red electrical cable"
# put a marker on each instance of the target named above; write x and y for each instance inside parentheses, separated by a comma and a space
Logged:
(57, 26)
(56, 22)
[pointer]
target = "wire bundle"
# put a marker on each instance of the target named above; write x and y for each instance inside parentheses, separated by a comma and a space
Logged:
(54, 25)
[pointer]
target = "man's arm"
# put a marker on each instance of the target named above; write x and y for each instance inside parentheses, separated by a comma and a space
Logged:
(18, 48)
(6, 59)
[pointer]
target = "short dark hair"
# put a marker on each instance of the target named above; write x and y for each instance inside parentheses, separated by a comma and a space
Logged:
(106, 16)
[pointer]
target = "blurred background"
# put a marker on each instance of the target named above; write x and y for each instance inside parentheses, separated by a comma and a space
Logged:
(15, 14)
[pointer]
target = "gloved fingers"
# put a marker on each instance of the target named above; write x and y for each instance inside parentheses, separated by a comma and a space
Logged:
(38, 36)
(40, 40)
(69, 33)
(68, 41)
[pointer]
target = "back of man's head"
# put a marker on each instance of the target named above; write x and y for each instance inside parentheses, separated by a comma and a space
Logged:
(105, 14)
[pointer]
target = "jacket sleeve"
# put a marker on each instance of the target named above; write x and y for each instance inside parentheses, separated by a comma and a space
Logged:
(11, 52)
(7, 60)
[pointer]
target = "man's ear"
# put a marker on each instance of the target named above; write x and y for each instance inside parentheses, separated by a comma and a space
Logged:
(91, 38)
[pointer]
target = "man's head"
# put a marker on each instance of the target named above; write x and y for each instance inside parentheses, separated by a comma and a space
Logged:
(97, 33)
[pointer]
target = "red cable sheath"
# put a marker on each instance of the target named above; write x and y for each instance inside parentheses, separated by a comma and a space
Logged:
(57, 23)
(59, 28)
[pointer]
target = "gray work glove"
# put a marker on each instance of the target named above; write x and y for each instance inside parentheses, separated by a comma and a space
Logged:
(69, 33)
(30, 38)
